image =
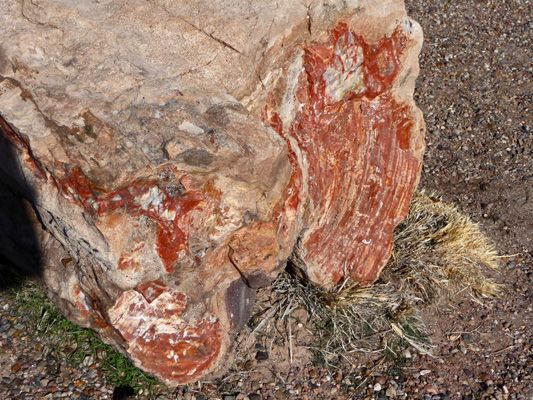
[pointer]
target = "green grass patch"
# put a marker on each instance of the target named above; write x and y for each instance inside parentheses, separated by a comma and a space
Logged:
(76, 346)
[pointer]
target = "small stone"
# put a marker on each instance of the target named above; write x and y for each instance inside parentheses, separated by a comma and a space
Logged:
(406, 353)
(313, 373)
(248, 365)
(280, 395)
(468, 372)
(17, 382)
(425, 372)
(92, 374)
(484, 376)
(16, 368)
(254, 396)
(390, 392)
(377, 387)
(467, 338)
(261, 356)
(431, 389)
(88, 360)
(338, 377)
(381, 380)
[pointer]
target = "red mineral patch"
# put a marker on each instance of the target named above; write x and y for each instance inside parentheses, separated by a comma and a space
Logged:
(355, 140)
(170, 198)
(130, 260)
(159, 340)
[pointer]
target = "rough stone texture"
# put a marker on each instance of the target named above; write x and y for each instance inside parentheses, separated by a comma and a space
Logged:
(172, 155)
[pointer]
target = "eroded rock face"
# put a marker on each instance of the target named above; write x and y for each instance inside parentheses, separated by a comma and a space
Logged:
(173, 156)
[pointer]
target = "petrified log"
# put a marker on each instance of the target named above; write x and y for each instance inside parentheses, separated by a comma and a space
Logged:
(173, 156)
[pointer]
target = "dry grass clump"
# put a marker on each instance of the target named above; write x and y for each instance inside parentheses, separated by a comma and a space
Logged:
(437, 253)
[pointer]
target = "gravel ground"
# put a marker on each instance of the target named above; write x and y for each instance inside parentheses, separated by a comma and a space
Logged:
(475, 89)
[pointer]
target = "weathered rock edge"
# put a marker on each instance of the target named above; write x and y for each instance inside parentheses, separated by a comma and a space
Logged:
(161, 204)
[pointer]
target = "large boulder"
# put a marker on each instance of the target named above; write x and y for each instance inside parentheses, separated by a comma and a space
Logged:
(171, 157)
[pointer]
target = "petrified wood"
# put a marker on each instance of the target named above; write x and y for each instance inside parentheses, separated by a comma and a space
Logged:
(171, 156)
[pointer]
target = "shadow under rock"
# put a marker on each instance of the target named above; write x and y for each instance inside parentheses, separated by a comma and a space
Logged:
(20, 247)
(123, 393)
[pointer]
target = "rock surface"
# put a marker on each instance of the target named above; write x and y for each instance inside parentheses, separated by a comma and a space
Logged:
(348, 112)
(175, 154)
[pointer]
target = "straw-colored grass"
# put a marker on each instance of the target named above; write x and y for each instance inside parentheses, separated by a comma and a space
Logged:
(438, 252)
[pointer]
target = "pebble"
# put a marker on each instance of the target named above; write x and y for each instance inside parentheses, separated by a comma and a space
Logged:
(377, 387)
(431, 389)
(390, 392)
(16, 368)
(280, 395)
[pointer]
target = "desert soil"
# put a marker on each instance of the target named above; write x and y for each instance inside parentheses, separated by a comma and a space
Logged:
(475, 89)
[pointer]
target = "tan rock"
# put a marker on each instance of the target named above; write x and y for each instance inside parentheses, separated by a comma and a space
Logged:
(172, 154)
